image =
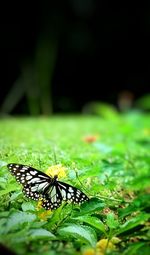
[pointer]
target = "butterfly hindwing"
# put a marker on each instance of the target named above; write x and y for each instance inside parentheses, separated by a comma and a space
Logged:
(53, 198)
(63, 192)
(72, 194)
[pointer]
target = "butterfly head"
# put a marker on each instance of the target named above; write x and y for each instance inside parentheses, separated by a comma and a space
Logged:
(55, 178)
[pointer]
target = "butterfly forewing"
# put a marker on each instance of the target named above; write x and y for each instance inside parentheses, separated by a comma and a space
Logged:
(34, 182)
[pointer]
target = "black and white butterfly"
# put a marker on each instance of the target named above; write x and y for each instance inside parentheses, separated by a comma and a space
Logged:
(38, 185)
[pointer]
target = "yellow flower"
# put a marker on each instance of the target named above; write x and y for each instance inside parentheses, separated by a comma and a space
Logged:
(102, 246)
(105, 243)
(43, 215)
(56, 170)
(89, 251)
(39, 205)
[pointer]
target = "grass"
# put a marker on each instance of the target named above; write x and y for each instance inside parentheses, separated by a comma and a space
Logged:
(107, 157)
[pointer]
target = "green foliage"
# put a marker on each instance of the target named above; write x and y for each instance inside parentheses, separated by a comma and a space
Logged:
(133, 222)
(112, 169)
(144, 102)
(83, 233)
(111, 222)
(92, 221)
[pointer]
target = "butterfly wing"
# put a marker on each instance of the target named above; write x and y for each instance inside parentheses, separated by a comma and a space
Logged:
(61, 191)
(35, 183)
(72, 194)
(53, 198)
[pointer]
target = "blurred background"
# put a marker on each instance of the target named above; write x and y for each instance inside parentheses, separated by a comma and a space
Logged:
(64, 56)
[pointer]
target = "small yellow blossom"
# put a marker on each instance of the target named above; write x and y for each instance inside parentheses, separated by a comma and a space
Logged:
(102, 246)
(43, 215)
(57, 170)
(104, 243)
(39, 205)
(89, 251)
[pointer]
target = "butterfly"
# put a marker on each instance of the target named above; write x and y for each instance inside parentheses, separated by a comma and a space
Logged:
(38, 185)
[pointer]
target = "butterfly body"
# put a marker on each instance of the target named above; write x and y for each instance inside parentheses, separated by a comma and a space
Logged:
(38, 185)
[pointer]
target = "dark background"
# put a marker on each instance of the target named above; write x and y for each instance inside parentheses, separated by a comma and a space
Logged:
(99, 50)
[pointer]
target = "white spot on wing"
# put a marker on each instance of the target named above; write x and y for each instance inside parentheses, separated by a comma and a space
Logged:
(69, 196)
(22, 170)
(33, 172)
(28, 177)
(70, 190)
(25, 168)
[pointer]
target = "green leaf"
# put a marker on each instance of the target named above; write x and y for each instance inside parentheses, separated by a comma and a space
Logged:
(142, 202)
(93, 205)
(4, 214)
(27, 206)
(83, 233)
(112, 167)
(132, 223)
(140, 182)
(3, 182)
(137, 248)
(2, 225)
(11, 187)
(93, 221)
(38, 224)
(15, 195)
(41, 234)
(111, 221)
(15, 237)
(2, 163)
(17, 219)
